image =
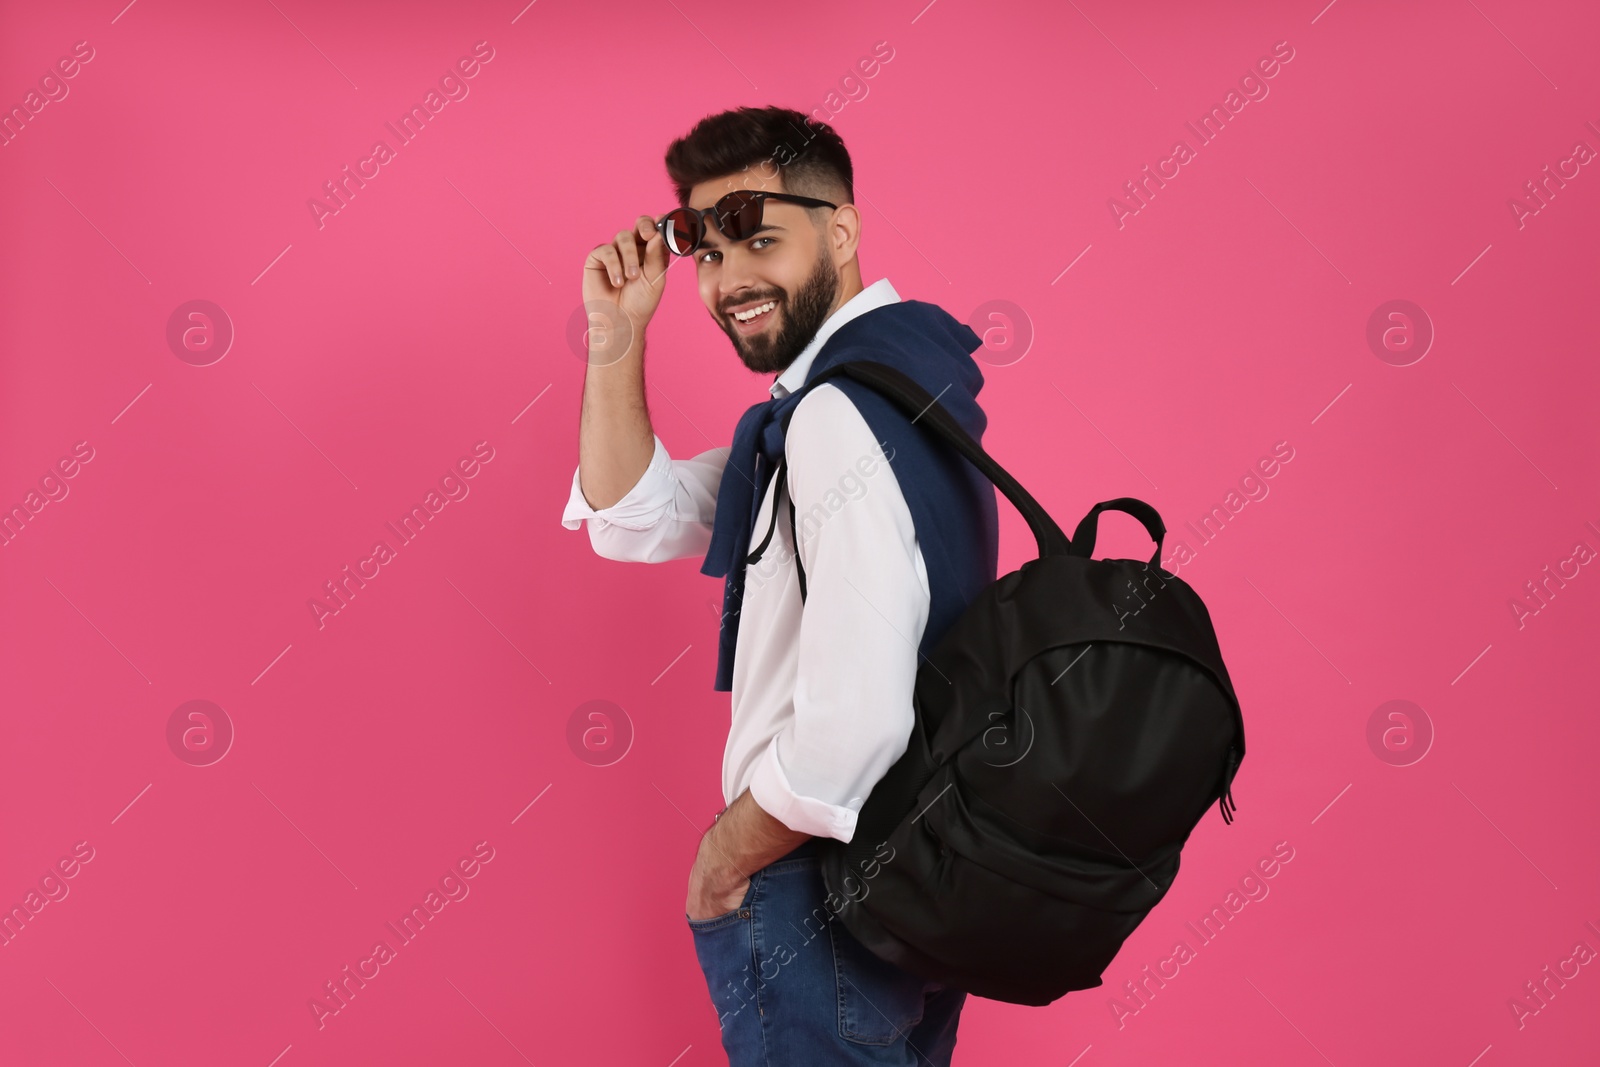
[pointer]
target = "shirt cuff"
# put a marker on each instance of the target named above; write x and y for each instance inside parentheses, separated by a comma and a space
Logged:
(642, 506)
(769, 787)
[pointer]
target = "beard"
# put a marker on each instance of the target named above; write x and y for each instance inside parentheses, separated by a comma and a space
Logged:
(772, 351)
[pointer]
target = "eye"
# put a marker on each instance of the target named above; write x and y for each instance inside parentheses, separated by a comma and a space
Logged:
(754, 241)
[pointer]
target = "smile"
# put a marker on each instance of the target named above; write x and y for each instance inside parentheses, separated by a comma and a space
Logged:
(754, 319)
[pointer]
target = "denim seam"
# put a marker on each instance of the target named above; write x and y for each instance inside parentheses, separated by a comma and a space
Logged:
(716, 922)
(759, 878)
(841, 979)
(838, 981)
(790, 866)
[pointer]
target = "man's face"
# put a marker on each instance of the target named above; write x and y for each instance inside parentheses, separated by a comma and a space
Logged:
(786, 263)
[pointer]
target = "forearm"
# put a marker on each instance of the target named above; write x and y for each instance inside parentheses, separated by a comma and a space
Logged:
(615, 437)
(746, 839)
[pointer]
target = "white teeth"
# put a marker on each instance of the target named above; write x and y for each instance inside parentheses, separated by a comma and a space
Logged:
(746, 316)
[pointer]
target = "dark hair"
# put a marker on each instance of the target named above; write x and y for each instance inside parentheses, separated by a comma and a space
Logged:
(774, 141)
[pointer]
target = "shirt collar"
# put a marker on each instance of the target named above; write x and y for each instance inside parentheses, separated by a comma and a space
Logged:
(875, 295)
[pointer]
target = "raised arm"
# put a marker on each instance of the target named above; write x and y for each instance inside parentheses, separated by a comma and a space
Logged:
(667, 514)
(639, 502)
(622, 285)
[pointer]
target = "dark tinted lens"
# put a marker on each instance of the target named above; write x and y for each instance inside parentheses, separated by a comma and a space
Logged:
(739, 214)
(682, 231)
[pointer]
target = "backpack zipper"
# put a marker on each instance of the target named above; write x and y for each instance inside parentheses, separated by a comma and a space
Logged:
(941, 868)
(1226, 800)
(942, 871)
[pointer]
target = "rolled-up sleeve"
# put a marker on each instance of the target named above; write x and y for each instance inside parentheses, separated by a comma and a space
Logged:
(867, 603)
(666, 515)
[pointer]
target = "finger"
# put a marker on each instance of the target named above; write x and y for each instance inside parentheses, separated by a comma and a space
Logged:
(655, 259)
(605, 258)
(645, 228)
(628, 246)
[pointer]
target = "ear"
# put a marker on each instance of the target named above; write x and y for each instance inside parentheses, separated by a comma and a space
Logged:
(843, 233)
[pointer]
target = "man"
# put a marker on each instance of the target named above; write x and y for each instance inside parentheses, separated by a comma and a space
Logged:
(823, 676)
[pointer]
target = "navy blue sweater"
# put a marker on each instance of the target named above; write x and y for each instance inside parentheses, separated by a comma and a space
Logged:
(952, 503)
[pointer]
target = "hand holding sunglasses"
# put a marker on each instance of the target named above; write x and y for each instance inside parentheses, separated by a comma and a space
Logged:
(623, 281)
(737, 215)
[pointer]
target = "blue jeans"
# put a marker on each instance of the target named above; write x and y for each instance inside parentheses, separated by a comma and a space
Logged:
(793, 988)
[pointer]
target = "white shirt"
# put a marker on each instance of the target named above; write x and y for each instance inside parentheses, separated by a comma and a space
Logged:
(822, 690)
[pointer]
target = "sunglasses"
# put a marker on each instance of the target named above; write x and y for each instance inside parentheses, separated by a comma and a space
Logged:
(737, 215)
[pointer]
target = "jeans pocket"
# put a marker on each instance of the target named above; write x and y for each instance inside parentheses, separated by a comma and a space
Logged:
(717, 922)
(725, 951)
(878, 1002)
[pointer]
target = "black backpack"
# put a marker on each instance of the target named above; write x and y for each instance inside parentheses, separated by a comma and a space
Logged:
(1072, 727)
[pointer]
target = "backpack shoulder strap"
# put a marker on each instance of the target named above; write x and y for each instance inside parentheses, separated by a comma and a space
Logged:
(913, 399)
(779, 483)
(926, 410)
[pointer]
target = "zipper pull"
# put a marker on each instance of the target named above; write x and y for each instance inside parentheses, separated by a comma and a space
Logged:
(1226, 800)
(942, 871)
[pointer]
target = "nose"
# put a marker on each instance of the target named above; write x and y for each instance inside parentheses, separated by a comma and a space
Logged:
(738, 282)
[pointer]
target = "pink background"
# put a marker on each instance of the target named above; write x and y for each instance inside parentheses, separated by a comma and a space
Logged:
(431, 313)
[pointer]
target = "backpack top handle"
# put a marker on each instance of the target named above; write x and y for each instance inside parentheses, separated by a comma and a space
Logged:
(914, 399)
(1083, 537)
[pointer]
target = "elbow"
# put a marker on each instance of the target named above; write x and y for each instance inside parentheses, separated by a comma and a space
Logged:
(607, 547)
(893, 737)
(614, 543)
